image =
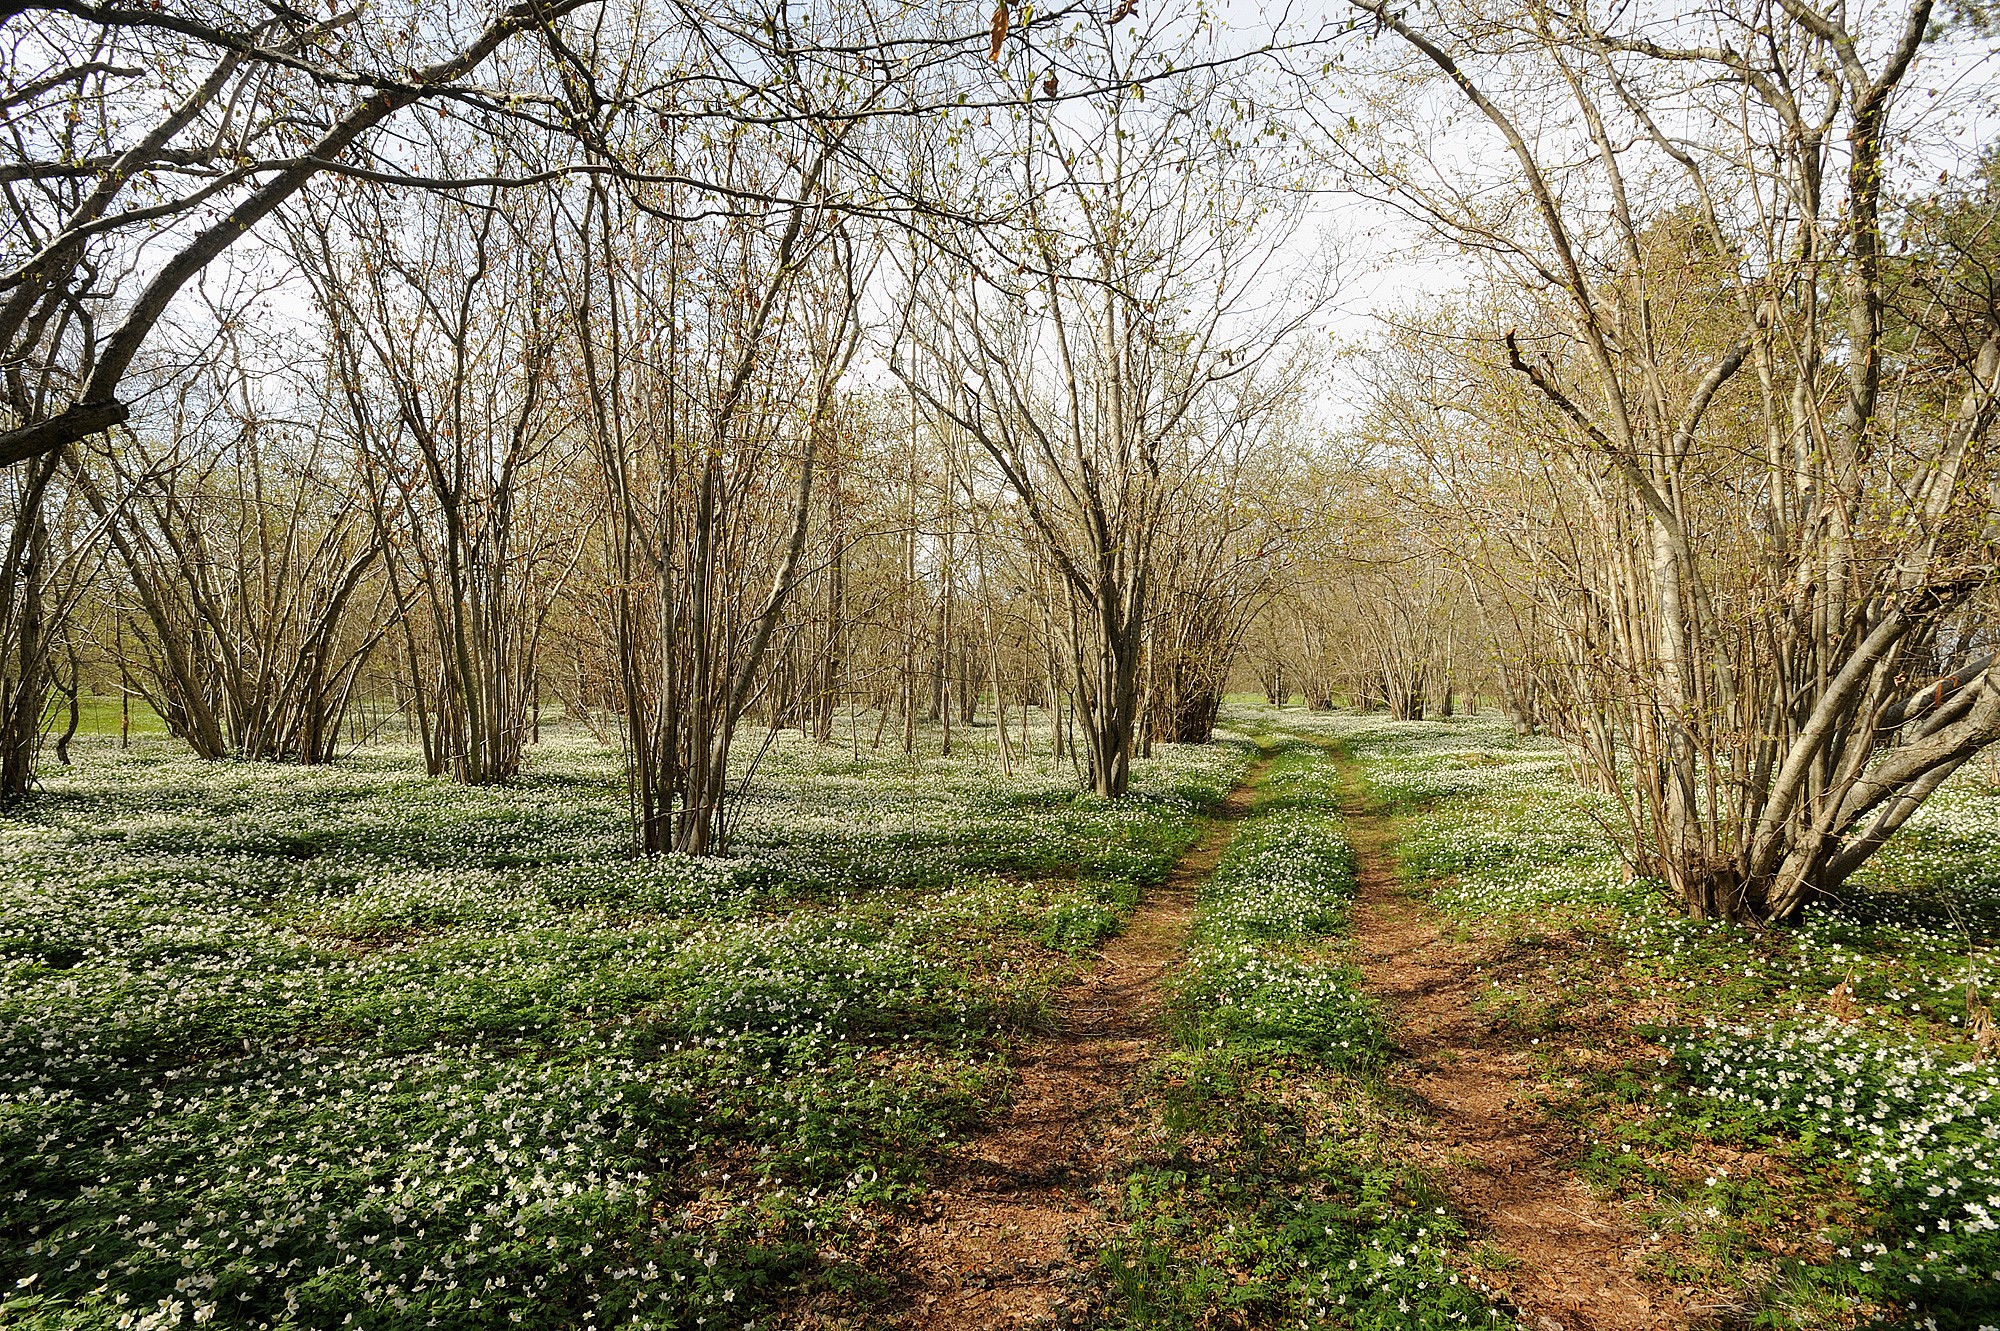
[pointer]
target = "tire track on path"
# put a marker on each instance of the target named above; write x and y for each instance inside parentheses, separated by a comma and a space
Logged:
(1506, 1166)
(1007, 1224)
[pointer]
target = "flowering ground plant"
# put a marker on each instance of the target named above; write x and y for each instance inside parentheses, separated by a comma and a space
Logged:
(1804, 1113)
(1271, 1190)
(318, 1047)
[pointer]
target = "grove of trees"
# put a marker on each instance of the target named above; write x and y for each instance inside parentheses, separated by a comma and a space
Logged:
(884, 373)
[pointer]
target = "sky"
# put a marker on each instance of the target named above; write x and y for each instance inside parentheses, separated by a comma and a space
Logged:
(1388, 263)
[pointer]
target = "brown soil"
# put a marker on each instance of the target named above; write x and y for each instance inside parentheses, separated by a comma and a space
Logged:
(997, 1241)
(1574, 1257)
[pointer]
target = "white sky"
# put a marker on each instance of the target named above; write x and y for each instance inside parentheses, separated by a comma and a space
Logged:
(1945, 118)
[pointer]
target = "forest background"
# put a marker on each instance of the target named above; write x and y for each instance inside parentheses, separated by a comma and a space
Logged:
(708, 372)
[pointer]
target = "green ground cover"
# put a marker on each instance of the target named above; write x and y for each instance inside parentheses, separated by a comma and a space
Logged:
(103, 714)
(1267, 1188)
(1812, 1158)
(281, 1047)
(288, 1047)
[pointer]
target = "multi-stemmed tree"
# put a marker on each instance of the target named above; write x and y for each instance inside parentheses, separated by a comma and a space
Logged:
(144, 143)
(1783, 485)
(442, 355)
(1085, 347)
(707, 365)
(243, 534)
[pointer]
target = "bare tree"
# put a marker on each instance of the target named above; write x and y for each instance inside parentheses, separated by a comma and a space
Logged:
(1080, 353)
(1230, 536)
(709, 359)
(1784, 509)
(47, 557)
(143, 143)
(443, 348)
(245, 538)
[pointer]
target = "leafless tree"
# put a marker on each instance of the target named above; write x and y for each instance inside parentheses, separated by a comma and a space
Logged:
(1785, 506)
(443, 347)
(47, 556)
(244, 536)
(1231, 534)
(709, 358)
(1080, 350)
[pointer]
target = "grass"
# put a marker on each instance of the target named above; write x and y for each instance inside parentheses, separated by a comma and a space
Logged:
(1266, 1188)
(282, 1047)
(1804, 1158)
(99, 714)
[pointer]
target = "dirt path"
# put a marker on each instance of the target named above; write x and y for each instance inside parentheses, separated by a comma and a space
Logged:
(1576, 1257)
(995, 1243)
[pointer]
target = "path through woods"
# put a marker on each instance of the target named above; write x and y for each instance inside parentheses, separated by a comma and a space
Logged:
(1002, 1238)
(1575, 1257)
(997, 1241)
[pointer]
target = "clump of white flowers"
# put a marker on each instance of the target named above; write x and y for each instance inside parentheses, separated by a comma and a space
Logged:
(1847, 1034)
(344, 1046)
(1284, 883)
